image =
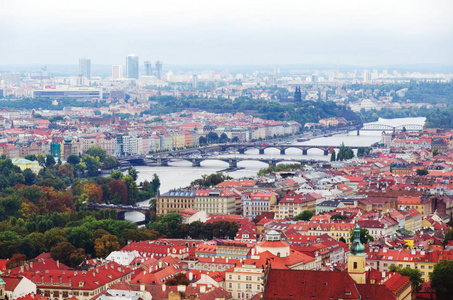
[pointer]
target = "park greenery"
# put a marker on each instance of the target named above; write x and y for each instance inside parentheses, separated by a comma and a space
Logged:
(309, 111)
(280, 168)
(47, 212)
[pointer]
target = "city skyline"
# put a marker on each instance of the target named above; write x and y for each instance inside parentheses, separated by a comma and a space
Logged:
(325, 32)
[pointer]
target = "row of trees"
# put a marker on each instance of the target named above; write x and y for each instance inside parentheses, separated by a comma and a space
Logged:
(344, 153)
(214, 138)
(210, 180)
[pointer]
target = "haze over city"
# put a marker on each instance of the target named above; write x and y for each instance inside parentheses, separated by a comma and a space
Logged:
(228, 32)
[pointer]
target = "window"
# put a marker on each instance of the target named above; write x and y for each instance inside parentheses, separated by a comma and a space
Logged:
(239, 277)
(422, 267)
(248, 278)
(355, 265)
(230, 285)
(239, 285)
(248, 287)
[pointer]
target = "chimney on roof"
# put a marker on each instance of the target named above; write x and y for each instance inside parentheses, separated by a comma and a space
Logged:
(58, 264)
(164, 287)
(202, 289)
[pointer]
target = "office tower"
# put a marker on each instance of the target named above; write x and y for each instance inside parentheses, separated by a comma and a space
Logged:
(85, 67)
(195, 81)
(314, 78)
(366, 76)
(159, 69)
(132, 66)
(148, 68)
(117, 72)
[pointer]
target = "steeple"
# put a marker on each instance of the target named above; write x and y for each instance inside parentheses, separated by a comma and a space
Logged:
(357, 247)
(357, 258)
(297, 94)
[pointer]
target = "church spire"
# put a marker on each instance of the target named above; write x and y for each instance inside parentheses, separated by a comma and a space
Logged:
(357, 247)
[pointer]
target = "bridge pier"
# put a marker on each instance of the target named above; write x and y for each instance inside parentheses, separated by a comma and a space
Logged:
(304, 152)
(241, 151)
(282, 151)
(326, 152)
(196, 163)
(261, 151)
(162, 162)
(233, 164)
(358, 132)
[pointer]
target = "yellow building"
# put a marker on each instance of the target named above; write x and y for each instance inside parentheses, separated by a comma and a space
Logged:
(216, 201)
(179, 140)
(24, 164)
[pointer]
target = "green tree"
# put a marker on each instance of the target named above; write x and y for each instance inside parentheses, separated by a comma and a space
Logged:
(212, 137)
(332, 156)
(344, 153)
(110, 162)
(338, 217)
(29, 176)
(97, 152)
(116, 175)
(132, 172)
(155, 182)
(414, 275)
(448, 236)
(50, 160)
(441, 279)
(365, 236)
(92, 164)
(132, 189)
(422, 172)
(62, 252)
(73, 159)
(306, 215)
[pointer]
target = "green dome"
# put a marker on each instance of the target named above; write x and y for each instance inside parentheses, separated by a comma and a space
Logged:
(357, 247)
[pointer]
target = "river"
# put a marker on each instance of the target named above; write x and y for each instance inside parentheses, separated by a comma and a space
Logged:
(181, 173)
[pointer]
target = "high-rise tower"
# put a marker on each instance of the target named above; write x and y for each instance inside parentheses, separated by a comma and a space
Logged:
(117, 72)
(85, 67)
(148, 68)
(132, 66)
(159, 69)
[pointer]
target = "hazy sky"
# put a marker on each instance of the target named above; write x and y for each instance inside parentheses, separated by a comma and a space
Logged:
(227, 32)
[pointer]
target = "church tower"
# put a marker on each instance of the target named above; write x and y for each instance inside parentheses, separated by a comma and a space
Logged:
(297, 95)
(356, 258)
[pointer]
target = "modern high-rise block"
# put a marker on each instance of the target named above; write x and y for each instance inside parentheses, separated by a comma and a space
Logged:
(85, 67)
(148, 68)
(117, 72)
(159, 69)
(132, 66)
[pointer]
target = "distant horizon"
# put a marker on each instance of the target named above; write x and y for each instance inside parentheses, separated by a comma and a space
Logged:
(233, 32)
(68, 68)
